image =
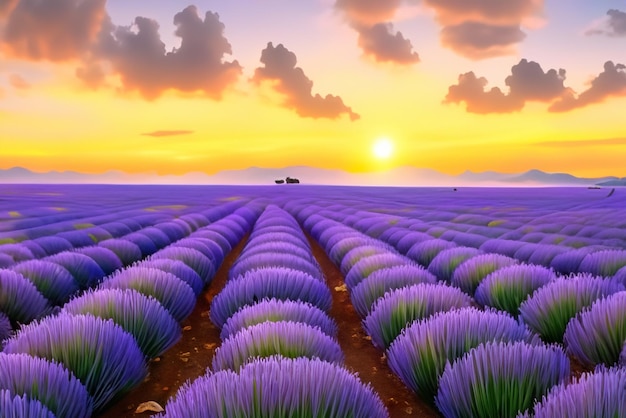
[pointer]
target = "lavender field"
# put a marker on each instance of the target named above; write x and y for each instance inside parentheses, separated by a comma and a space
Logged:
(476, 302)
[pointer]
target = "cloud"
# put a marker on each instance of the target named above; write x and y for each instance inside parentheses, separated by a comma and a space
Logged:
(479, 29)
(18, 82)
(368, 12)
(158, 134)
(471, 90)
(295, 86)
(138, 57)
(382, 45)
(527, 82)
(377, 40)
(609, 83)
(50, 30)
(614, 25)
(583, 142)
(477, 40)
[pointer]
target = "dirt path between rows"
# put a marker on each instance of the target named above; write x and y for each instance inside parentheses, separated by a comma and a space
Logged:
(191, 356)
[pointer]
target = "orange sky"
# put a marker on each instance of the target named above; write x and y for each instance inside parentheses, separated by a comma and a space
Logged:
(93, 88)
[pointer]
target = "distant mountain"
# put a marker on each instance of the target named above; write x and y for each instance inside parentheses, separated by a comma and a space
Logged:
(614, 183)
(400, 176)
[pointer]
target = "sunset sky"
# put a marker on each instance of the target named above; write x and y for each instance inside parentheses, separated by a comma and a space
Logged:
(452, 85)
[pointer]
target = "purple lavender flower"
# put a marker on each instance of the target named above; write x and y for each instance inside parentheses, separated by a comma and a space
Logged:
(214, 236)
(279, 310)
(178, 269)
(199, 245)
(263, 260)
(15, 406)
(410, 239)
(278, 387)
(364, 294)
(160, 238)
(86, 272)
(174, 294)
(285, 338)
(143, 242)
(604, 263)
(506, 288)
(279, 247)
(498, 379)
(468, 275)
(597, 335)
(419, 354)
(52, 280)
(106, 259)
(152, 326)
(17, 252)
(193, 258)
(502, 246)
(356, 254)
(368, 265)
(593, 395)
(100, 353)
(19, 298)
(550, 308)
(173, 230)
(47, 382)
(425, 251)
(273, 282)
(5, 327)
(399, 307)
(53, 244)
(446, 262)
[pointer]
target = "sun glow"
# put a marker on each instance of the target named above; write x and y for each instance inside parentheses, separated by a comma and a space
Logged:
(382, 148)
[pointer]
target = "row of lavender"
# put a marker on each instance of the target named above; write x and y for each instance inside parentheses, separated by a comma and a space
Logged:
(61, 272)
(279, 355)
(470, 359)
(98, 346)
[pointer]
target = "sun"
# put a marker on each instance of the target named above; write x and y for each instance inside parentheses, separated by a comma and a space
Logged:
(382, 148)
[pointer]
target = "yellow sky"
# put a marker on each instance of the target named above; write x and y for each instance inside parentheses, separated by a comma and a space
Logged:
(53, 122)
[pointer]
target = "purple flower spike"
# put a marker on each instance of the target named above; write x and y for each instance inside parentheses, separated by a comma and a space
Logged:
(52, 280)
(508, 287)
(364, 294)
(154, 329)
(174, 294)
(106, 358)
(499, 380)
(278, 247)
(284, 338)
(446, 262)
(410, 239)
(594, 395)
(424, 252)
(597, 335)
(263, 260)
(418, 356)
(278, 387)
(143, 242)
(472, 271)
(502, 246)
(178, 269)
(276, 282)
(160, 238)
(200, 263)
(19, 298)
(6, 261)
(53, 245)
(47, 382)
(399, 307)
(106, 259)
(17, 252)
(550, 308)
(604, 263)
(214, 236)
(86, 272)
(355, 255)
(279, 310)
(5, 327)
(13, 406)
(368, 265)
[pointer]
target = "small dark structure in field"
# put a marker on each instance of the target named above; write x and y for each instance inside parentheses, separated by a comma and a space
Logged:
(288, 180)
(611, 192)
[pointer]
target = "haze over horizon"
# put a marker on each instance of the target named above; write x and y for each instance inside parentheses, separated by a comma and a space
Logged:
(354, 85)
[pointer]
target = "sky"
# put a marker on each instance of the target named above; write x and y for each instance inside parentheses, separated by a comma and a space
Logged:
(168, 87)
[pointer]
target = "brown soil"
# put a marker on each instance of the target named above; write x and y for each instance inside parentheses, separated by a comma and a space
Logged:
(191, 356)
